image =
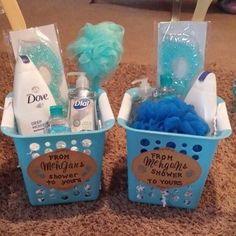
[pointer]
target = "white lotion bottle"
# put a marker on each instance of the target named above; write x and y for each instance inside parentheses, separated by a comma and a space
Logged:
(31, 98)
(203, 96)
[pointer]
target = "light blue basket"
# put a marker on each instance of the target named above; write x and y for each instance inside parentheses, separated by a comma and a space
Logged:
(199, 148)
(30, 147)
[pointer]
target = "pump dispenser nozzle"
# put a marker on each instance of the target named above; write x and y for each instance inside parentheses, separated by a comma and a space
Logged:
(145, 89)
(82, 81)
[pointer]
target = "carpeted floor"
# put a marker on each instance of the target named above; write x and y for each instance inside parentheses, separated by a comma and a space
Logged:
(112, 213)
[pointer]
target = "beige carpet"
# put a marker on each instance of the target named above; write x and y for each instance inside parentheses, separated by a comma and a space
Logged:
(112, 213)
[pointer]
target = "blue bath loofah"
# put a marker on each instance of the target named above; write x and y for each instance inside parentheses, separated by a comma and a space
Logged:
(169, 115)
(98, 50)
(180, 49)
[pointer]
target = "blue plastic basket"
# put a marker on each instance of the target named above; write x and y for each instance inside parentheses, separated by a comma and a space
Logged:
(199, 148)
(31, 147)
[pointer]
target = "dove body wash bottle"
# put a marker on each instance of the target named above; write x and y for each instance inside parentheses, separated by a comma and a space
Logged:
(31, 98)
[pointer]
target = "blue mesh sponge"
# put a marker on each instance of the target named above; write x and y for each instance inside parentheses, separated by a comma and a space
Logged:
(169, 115)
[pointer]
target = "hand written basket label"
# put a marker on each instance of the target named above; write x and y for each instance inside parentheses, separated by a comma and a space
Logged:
(166, 168)
(62, 169)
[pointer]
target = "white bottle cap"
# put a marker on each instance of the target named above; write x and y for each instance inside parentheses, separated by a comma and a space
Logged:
(24, 64)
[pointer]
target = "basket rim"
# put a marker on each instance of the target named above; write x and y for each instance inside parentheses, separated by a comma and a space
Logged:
(221, 135)
(12, 132)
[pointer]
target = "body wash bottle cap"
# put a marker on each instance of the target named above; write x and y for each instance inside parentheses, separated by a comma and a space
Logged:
(56, 111)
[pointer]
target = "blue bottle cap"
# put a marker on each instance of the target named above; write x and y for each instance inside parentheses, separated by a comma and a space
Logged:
(56, 111)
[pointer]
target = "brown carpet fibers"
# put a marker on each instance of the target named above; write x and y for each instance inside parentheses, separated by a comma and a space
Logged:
(112, 213)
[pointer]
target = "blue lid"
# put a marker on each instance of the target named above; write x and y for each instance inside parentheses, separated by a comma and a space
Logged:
(56, 111)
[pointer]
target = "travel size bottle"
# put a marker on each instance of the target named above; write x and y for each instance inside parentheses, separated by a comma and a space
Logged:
(57, 122)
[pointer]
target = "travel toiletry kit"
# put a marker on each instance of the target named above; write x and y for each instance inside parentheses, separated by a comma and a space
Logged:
(172, 129)
(59, 132)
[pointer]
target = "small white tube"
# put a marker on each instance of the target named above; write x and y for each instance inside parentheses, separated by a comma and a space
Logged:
(8, 114)
(125, 107)
(222, 119)
(105, 108)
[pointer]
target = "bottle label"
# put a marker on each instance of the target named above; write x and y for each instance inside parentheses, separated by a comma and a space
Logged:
(82, 114)
(82, 103)
(31, 98)
(58, 129)
(38, 103)
(37, 126)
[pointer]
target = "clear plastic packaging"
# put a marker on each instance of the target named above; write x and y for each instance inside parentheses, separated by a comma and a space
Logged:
(41, 45)
(181, 54)
(6, 54)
